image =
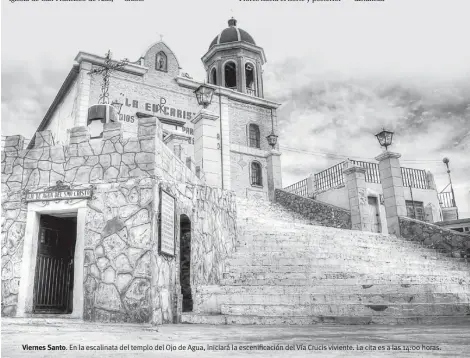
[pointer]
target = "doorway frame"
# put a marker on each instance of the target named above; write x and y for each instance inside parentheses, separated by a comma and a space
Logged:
(30, 251)
(382, 224)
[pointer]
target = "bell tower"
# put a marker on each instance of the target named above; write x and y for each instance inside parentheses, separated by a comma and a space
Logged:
(234, 61)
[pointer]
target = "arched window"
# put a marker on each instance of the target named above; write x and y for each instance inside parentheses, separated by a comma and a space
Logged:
(254, 136)
(161, 62)
(256, 178)
(250, 79)
(230, 71)
(213, 78)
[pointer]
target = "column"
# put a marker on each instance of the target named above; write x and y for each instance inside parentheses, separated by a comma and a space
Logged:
(274, 172)
(207, 153)
(392, 187)
(357, 192)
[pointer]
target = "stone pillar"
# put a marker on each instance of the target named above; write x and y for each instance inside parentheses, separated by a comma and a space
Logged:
(392, 187)
(430, 180)
(14, 143)
(310, 185)
(111, 130)
(225, 143)
(43, 139)
(274, 172)
(147, 127)
(357, 193)
(207, 154)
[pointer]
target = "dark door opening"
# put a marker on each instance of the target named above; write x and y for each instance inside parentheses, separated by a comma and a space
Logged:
(185, 263)
(53, 284)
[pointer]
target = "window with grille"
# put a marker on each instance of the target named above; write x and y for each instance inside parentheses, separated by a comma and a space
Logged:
(256, 178)
(254, 136)
(415, 210)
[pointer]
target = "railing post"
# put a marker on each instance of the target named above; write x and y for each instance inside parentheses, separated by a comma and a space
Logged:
(357, 192)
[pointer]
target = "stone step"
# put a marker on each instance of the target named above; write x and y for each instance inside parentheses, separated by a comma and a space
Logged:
(306, 241)
(317, 259)
(349, 310)
(193, 318)
(344, 237)
(320, 269)
(336, 298)
(361, 279)
(350, 265)
(342, 275)
(272, 250)
(336, 288)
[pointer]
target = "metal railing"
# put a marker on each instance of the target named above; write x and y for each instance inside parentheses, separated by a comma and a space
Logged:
(299, 188)
(372, 171)
(446, 200)
(416, 178)
(329, 178)
(333, 177)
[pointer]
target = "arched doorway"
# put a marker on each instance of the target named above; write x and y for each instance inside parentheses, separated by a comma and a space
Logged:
(185, 263)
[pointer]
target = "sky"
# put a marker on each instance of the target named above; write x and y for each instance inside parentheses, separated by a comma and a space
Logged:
(341, 70)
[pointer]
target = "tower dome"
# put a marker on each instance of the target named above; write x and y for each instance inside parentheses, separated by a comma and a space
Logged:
(232, 34)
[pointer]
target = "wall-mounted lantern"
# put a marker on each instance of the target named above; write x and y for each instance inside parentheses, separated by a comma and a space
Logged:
(204, 95)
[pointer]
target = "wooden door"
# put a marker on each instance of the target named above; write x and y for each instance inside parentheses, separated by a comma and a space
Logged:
(374, 214)
(53, 285)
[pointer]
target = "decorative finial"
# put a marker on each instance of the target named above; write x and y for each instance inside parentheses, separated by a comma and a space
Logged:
(161, 38)
(232, 22)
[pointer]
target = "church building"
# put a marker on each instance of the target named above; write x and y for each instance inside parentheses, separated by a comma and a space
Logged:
(124, 200)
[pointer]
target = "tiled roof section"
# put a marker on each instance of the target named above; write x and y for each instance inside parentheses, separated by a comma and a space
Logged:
(232, 34)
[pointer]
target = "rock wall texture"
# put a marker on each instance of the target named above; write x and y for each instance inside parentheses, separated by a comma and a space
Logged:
(444, 240)
(125, 277)
(325, 214)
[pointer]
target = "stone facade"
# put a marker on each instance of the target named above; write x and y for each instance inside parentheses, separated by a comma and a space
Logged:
(324, 214)
(444, 240)
(125, 277)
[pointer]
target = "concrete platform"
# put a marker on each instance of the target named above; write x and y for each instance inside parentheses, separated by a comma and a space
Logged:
(444, 340)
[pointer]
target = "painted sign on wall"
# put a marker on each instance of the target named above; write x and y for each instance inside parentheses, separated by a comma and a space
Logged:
(58, 192)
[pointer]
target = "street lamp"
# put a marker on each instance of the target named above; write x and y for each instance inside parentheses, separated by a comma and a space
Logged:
(446, 162)
(385, 138)
(272, 138)
(204, 95)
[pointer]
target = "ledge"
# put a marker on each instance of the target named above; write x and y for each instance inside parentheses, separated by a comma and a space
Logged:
(231, 94)
(131, 68)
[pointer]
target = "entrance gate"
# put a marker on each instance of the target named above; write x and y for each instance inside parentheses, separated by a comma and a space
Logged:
(53, 286)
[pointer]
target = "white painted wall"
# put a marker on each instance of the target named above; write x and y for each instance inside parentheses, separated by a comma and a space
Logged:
(336, 196)
(63, 117)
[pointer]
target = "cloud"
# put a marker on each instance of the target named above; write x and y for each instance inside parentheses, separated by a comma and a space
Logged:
(327, 111)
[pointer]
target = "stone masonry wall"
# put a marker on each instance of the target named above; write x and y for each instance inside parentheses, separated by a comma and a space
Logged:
(444, 240)
(327, 215)
(125, 278)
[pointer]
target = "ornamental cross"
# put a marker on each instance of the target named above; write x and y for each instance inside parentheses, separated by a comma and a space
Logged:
(106, 69)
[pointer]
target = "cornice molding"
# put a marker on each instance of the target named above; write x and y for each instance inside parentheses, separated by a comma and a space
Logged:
(131, 68)
(231, 94)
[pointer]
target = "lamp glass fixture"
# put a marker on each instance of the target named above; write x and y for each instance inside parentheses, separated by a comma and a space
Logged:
(118, 105)
(204, 95)
(385, 138)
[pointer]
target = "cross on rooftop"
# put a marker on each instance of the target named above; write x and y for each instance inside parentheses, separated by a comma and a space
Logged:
(106, 69)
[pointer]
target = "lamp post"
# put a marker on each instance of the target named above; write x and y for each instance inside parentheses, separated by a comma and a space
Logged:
(272, 138)
(446, 162)
(385, 138)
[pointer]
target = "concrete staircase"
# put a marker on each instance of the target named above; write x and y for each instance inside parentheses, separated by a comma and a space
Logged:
(288, 270)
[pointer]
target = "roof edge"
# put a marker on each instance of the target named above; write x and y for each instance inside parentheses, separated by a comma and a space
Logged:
(130, 67)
